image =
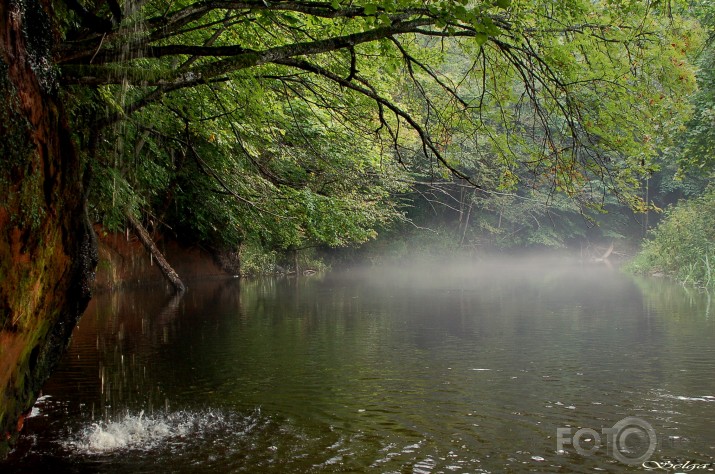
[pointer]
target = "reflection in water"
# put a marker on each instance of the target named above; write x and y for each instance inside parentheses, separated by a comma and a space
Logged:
(419, 370)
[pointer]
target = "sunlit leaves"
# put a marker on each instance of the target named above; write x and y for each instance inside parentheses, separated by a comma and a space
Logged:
(370, 9)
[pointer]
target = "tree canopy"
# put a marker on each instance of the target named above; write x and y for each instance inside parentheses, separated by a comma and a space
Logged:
(298, 122)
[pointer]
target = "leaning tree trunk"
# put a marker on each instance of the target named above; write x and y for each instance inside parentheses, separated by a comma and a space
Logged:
(164, 266)
(47, 248)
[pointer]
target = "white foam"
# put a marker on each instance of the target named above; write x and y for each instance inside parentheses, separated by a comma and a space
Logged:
(425, 466)
(130, 432)
(333, 460)
(36, 408)
(702, 398)
(144, 432)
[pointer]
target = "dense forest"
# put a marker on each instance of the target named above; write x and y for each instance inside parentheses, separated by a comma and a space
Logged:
(498, 126)
(260, 129)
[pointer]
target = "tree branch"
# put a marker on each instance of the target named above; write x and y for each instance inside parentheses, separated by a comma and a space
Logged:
(429, 146)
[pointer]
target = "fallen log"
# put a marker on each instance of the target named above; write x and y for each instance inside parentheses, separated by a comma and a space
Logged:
(164, 266)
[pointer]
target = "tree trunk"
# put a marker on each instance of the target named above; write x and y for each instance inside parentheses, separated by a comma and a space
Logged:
(47, 247)
(164, 266)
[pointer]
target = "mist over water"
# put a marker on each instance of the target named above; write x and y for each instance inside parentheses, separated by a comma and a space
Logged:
(469, 366)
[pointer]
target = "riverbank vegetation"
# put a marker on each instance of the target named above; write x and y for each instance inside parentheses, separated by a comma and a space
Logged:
(682, 246)
(268, 129)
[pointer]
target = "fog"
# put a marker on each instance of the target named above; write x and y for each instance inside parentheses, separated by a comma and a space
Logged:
(488, 269)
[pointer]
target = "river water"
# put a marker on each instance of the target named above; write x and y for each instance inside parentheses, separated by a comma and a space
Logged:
(471, 368)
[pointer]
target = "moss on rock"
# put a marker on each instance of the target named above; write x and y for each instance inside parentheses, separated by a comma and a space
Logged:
(47, 250)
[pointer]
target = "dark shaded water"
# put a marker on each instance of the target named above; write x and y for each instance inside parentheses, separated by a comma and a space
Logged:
(420, 370)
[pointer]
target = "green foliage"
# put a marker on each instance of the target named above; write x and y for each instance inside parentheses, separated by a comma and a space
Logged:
(256, 260)
(277, 170)
(292, 125)
(699, 149)
(683, 244)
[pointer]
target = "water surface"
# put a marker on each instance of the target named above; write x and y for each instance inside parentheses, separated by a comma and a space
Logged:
(440, 369)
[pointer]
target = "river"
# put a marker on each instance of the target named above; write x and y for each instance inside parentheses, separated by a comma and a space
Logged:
(477, 367)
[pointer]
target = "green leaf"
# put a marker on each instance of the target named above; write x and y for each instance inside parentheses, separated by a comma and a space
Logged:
(370, 9)
(291, 19)
(460, 12)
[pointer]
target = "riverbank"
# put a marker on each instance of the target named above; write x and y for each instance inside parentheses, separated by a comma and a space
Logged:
(124, 262)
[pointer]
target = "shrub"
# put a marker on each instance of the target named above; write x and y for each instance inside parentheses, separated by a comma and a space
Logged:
(683, 244)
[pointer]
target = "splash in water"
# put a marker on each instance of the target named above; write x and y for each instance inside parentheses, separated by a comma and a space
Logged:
(146, 432)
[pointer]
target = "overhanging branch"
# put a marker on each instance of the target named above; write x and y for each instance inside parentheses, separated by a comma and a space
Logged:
(241, 59)
(428, 146)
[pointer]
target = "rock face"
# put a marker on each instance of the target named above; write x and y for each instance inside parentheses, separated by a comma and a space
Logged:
(47, 248)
